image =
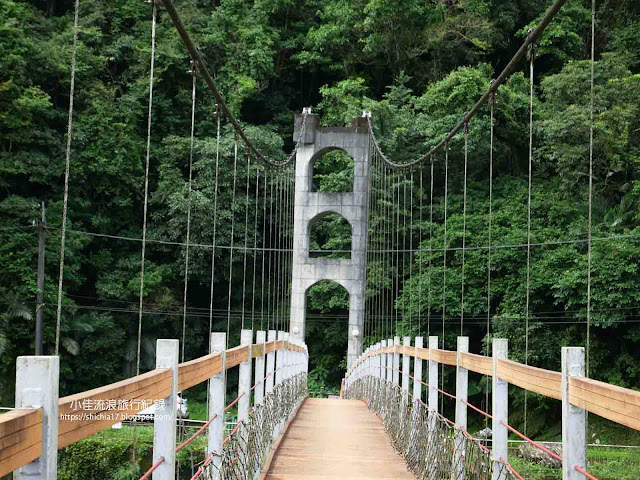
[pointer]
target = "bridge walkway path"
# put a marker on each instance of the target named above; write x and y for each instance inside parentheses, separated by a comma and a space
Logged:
(336, 439)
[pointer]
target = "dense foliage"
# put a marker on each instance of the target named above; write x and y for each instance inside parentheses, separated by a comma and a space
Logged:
(418, 66)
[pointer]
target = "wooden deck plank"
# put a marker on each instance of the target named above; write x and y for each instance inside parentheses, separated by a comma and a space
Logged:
(338, 439)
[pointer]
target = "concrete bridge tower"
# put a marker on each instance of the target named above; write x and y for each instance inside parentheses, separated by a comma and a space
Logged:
(311, 206)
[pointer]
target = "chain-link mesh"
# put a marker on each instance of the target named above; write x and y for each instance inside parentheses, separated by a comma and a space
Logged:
(432, 446)
(246, 448)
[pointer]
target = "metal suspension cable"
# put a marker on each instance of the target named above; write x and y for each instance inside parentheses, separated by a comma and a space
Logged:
(232, 209)
(146, 182)
(397, 255)
(144, 216)
(411, 255)
(67, 164)
(590, 226)
(215, 220)
(271, 180)
(277, 272)
(430, 246)
(492, 103)
(532, 37)
(404, 254)
(255, 250)
(246, 238)
(186, 259)
(444, 260)
(464, 224)
(194, 52)
(528, 286)
(264, 240)
(420, 244)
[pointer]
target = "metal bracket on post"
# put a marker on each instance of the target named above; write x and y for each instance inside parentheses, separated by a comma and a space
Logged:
(499, 410)
(261, 337)
(165, 415)
(217, 393)
(462, 388)
(37, 387)
(574, 419)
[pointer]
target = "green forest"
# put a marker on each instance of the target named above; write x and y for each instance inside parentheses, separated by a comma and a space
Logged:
(418, 66)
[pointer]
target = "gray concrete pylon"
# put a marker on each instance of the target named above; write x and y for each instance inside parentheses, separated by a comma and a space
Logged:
(310, 205)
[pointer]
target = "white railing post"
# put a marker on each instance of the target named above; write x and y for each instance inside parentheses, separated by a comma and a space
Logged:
(390, 356)
(462, 388)
(383, 361)
(244, 379)
(280, 373)
(574, 420)
(396, 362)
(417, 372)
(499, 410)
(271, 362)
(432, 400)
(37, 380)
(287, 357)
(217, 393)
(165, 414)
(261, 337)
(406, 343)
(280, 361)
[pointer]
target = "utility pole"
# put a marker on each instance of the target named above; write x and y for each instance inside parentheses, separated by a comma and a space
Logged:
(41, 225)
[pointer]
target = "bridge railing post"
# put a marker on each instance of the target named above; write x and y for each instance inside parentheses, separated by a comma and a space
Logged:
(165, 414)
(261, 337)
(390, 356)
(280, 373)
(217, 393)
(432, 400)
(271, 362)
(499, 410)
(287, 357)
(462, 388)
(37, 380)
(406, 344)
(574, 424)
(244, 379)
(396, 362)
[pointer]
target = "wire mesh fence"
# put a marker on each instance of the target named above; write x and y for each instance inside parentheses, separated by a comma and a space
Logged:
(431, 445)
(246, 447)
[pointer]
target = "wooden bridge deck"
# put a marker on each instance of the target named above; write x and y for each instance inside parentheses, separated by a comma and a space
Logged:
(337, 439)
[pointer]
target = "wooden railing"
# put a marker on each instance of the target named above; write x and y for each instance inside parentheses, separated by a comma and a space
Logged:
(20, 438)
(618, 404)
(21, 430)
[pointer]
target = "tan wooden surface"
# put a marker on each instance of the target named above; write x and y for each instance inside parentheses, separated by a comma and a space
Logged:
(91, 417)
(618, 404)
(537, 380)
(477, 363)
(336, 439)
(198, 370)
(20, 438)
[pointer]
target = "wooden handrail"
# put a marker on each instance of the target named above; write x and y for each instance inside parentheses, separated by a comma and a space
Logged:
(85, 413)
(614, 403)
(537, 380)
(20, 438)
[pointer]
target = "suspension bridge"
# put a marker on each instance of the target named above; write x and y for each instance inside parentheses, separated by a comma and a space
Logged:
(389, 420)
